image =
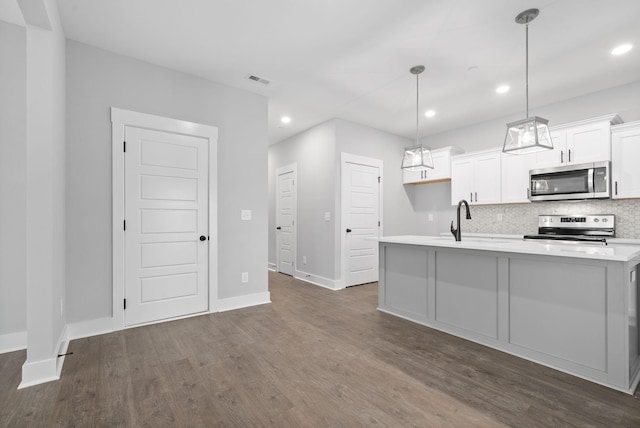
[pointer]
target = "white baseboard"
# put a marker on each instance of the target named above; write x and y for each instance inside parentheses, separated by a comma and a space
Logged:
(37, 372)
(232, 303)
(78, 330)
(10, 342)
(318, 280)
(271, 266)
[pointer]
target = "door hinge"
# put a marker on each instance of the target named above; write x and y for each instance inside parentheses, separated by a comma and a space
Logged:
(378, 223)
(125, 303)
(124, 146)
(378, 179)
(124, 224)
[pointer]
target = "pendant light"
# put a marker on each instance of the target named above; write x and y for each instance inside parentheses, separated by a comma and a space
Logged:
(530, 134)
(417, 157)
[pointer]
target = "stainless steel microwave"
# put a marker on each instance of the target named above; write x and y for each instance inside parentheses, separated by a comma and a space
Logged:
(584, 181)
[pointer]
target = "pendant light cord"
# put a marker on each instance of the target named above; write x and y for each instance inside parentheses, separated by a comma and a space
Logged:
(417, 106)
(526, 86)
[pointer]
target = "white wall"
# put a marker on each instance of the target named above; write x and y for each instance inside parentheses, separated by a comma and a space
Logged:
(436, 198)
(98, 80)
(621, 99)
(13, 206)
(317, 153)
(356, 139)
(314, 152)
(45, 191)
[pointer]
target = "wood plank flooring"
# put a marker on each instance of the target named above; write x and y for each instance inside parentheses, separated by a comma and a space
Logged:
(312, 358)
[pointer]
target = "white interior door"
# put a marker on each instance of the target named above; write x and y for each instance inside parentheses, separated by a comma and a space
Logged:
(286, 206)
(361, 214)
(166, 225)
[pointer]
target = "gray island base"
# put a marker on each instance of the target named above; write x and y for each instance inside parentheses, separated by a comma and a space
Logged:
(570, 308)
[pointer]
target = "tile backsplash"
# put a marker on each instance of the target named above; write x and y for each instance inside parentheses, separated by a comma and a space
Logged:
(521, 219)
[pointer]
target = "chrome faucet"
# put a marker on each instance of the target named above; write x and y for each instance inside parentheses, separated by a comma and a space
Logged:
(456, 232)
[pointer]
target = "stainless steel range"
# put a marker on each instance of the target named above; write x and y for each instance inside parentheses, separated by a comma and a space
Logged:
(575, 228)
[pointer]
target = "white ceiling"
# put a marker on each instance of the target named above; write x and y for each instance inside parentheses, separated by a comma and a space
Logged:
(350, 58)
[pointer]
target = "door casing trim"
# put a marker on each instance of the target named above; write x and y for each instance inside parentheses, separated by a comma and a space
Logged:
(119, 120)
(346, 158)
(293, 168)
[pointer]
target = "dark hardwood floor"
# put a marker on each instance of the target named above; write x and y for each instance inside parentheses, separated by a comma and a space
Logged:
(312, 358)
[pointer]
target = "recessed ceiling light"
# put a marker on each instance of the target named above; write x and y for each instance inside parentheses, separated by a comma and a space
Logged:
(285, 119)
(429, 113)
(502, 89)
(622, 49)
(472, 68)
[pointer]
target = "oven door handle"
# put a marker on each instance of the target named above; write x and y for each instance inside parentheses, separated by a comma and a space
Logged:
(590, 175)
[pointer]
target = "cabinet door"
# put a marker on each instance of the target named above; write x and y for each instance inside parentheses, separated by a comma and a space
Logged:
(624, 163)
(487, 179)
(462, 176)
(441, 167)
(515, 177)
(589, 143)
(409, 177)
(555, 157)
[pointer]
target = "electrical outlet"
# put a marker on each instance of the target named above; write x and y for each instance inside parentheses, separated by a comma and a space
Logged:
(245, 277)
(327, 216)
(430, 217)
(245, 215)
(304, 260)
(499, 216)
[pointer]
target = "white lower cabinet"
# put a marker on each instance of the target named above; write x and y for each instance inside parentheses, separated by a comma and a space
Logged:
(625, 162)
(476, 178)
(441, 168)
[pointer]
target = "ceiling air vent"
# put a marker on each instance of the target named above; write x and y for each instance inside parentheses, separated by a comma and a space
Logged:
(258, 79)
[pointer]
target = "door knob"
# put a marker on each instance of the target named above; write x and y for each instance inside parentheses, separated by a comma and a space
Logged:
(348, 230)
(203, 238)
(278, 228)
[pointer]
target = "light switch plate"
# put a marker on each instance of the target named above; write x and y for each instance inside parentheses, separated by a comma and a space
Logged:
(245, 214)
(245, 277)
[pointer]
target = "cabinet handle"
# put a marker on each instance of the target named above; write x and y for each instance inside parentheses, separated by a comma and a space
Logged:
(528, 197)
(561, 156)
(569, 155)
(616, 186)
(471, 196)
(476, 196)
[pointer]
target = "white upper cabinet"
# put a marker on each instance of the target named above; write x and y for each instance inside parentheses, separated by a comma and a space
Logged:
(476, 178)
(441, 168)
(515, 177)
(625, 169)
(579, 142)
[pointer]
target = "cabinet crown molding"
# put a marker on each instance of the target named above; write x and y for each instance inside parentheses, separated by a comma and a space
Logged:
(612, 118)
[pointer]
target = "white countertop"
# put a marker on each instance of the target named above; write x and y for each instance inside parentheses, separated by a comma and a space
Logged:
(515, 244)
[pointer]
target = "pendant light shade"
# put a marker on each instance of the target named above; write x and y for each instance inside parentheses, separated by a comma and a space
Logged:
(527, 136)
(532, 133)
(417, 157)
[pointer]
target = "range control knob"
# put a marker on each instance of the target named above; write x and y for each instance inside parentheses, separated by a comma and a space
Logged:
(595, 220)
(604, 220)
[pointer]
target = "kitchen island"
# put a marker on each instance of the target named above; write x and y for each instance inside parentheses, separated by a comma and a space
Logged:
(570, 307)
